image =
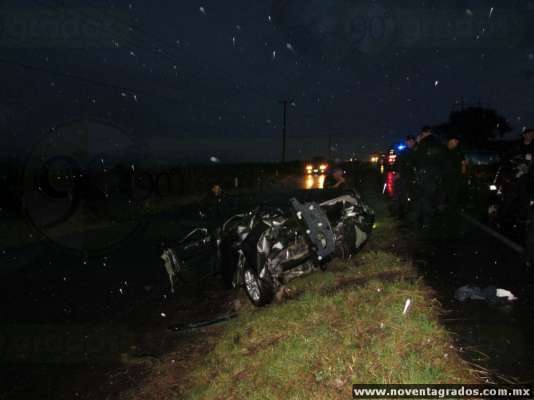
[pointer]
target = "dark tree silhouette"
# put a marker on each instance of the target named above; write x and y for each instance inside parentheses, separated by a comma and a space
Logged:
(476, 126)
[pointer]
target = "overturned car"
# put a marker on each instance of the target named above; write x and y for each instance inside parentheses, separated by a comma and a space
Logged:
(271, 243)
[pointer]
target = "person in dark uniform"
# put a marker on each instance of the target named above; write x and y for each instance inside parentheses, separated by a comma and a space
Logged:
(335, 179)
(454, 170)
(518, 202)
(404, 177)
(428, 160)
(517, 167)
(215, 201)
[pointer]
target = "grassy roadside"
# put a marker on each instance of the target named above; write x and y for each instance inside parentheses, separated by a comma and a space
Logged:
(332, 329)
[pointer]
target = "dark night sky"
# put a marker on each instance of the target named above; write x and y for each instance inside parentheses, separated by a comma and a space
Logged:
(203, 78)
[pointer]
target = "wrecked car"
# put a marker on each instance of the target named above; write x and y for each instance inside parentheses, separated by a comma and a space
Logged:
(268, 245)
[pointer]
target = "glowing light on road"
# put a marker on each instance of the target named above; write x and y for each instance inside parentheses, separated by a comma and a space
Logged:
(314, 182)
(320, 182)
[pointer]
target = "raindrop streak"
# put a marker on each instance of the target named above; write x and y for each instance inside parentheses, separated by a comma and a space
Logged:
(290, 47)
(202, 10)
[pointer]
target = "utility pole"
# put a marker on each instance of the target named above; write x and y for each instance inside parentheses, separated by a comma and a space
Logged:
(329, 145)
(284, 129)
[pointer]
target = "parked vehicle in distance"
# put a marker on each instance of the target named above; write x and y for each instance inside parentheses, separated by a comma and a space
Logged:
(317, 166)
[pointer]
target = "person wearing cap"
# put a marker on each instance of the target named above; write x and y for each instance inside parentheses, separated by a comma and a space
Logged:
(404, 177)
(428, 161)
(454, 169)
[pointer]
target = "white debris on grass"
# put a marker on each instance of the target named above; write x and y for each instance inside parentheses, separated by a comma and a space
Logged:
(407, 306)
(506, 293)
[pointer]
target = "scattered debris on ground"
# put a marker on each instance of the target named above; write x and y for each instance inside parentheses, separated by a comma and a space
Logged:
(490, 294)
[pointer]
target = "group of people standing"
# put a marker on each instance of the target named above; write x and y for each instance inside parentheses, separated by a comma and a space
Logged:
(429, 176)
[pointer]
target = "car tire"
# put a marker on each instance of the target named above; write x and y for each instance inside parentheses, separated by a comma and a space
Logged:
(259, 290)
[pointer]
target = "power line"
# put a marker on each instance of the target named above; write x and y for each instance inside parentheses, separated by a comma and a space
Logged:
(284, 128)
(97, 24)
(108, 85)
(74, 77)
(140, 31)
(62, 8)
(136, 45)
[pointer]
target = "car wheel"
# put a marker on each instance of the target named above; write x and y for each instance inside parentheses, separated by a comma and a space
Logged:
(259, 290)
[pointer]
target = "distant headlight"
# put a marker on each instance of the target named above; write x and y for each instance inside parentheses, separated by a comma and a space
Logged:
(309, 167)
(493, 188)
(323, 167)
